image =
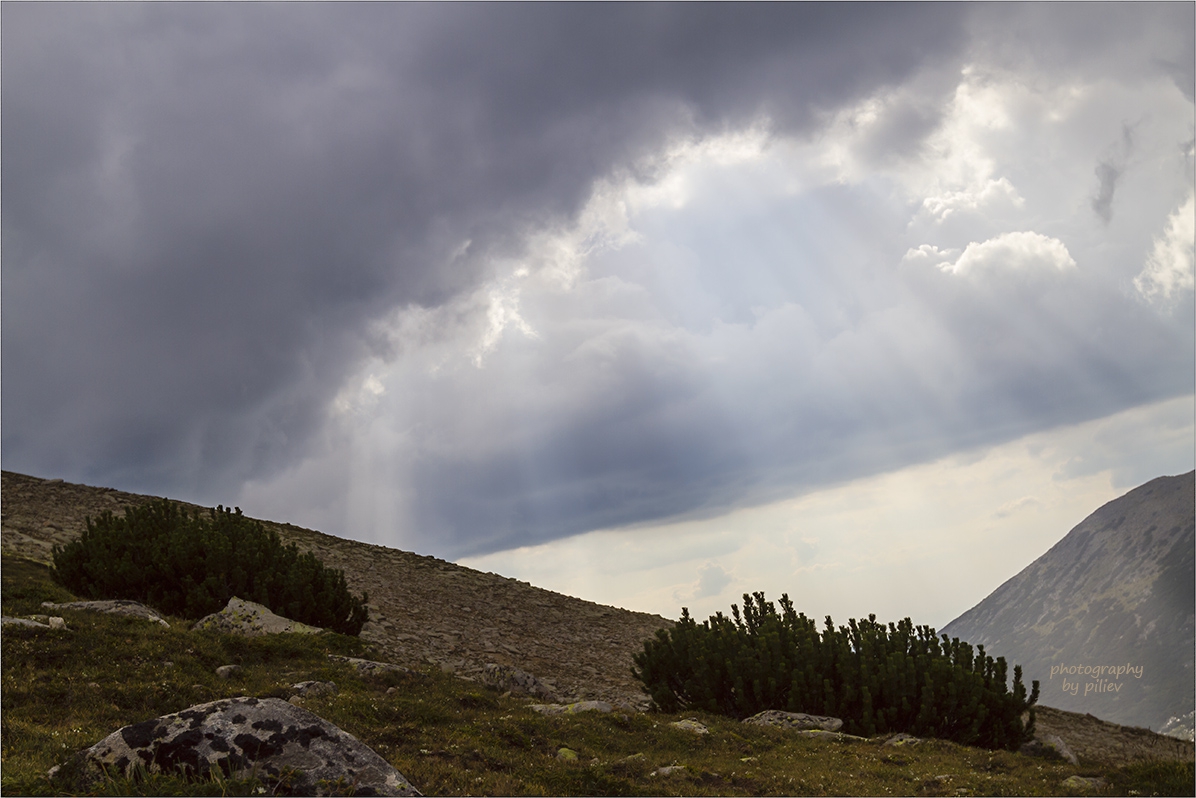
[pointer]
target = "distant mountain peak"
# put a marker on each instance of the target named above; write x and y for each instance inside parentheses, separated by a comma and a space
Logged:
(1116, 591)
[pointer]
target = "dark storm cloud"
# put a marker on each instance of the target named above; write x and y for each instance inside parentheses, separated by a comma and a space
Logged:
(204, 206)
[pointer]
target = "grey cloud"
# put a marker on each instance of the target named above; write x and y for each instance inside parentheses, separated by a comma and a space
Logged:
(1108, 172)
(1102, 203)
(206, 205)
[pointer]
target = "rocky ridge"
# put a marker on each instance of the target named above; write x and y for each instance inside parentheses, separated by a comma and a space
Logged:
(423, 610)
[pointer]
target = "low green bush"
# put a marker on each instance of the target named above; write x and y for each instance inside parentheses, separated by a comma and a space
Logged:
(877, 679)
(190, 565)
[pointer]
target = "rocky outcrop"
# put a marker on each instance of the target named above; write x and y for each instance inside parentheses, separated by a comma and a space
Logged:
(251, 620)
(240, 738)
(507, 678)
(131, 609)
(572, 709)
(796, 721)
(1050, 746)
(367, 667)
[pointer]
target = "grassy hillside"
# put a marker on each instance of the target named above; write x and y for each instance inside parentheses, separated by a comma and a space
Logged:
(63, 691)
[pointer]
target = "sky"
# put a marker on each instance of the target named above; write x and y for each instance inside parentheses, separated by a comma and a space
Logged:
(651, 304)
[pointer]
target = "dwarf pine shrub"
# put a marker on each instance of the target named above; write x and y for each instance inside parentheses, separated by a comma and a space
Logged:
(877, 679)
(190, 565)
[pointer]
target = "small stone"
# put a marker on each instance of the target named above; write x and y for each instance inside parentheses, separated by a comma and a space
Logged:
(57, 623)
(566, 755)
(391, 690)
(227, 671)
(668, 770)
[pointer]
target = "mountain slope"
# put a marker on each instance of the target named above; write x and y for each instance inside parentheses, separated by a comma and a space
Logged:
(422, 609)
(1117, 591)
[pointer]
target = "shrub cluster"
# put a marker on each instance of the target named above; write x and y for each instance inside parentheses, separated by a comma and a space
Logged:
(191, 565)
(877, 679)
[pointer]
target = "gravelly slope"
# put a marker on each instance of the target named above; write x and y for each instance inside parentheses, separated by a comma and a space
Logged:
(423, 610)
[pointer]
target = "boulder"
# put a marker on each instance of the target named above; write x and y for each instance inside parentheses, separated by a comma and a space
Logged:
(241, 738)
(797, 721)
(1050, 746)
(506, 678)
(251, 620)
(572, 709)
(131, 609)
(228, 671)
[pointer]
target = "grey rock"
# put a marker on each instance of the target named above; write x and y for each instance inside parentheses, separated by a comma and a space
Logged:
(1050, 746)
(506, 678)
(798, 721)
(690, 725)
(668, 770)
(239, 738)
(7, 621)
(228, 671)
(572, 709)
(313, 689)
(251, 620)
(131, 609)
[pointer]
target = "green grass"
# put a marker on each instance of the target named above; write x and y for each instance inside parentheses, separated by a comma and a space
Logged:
(66, 690)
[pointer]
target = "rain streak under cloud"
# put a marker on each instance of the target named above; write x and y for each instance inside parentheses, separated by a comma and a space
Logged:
(734, 292)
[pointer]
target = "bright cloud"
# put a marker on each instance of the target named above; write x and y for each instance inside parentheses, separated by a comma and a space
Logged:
(1024, 251)
(1168, 269)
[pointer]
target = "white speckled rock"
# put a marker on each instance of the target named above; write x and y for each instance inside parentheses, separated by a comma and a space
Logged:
(239, 738)
(251, 620)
